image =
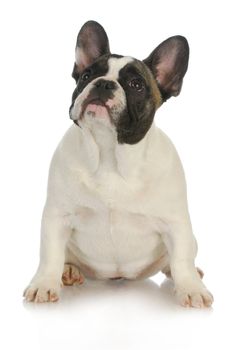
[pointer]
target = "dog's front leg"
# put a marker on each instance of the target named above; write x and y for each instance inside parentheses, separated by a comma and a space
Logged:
(46, 284)
(182, 249)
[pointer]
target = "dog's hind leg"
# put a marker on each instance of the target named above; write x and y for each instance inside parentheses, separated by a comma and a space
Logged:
(71, 274)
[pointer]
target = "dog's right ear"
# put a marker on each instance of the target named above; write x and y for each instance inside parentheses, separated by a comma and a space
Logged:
(92, 42)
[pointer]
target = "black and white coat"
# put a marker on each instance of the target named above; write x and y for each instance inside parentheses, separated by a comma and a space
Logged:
(117, 204)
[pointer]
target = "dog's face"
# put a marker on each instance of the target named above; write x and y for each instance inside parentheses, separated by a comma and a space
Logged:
(120, 92)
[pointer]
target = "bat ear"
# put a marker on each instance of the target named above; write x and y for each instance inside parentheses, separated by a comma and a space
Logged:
(169, 63)
(92, 42)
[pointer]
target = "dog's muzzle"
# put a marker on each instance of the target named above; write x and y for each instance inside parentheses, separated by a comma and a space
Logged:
(98, 99)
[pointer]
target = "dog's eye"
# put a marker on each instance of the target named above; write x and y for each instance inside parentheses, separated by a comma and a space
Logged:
(137, 84)
(86, 75)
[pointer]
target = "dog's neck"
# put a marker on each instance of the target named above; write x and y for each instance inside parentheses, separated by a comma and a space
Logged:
(105, 154)
(105, 140)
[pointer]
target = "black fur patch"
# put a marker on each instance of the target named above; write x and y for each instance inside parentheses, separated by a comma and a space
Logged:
(137, 118)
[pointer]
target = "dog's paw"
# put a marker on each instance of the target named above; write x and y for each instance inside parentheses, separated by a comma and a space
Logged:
(72, 275)
(196, 296)
(42, 291)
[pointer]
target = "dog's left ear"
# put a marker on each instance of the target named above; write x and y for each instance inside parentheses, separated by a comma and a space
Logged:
(169, 63)
(92, 42)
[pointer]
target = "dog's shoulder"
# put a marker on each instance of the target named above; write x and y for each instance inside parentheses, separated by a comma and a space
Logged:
(161, 152)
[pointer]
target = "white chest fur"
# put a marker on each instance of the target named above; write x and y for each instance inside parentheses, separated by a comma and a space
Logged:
(114, 242)
(110, 197)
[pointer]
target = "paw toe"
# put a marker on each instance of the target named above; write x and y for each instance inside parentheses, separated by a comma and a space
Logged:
(30, 294)
(40, 294)
(208, 299)
(72, 275)
(196, 299)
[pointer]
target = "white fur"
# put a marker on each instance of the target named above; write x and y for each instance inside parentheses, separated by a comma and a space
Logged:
(117, 209)
(116, 64)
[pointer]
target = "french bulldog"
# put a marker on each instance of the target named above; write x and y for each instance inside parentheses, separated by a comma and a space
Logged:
(116, 204)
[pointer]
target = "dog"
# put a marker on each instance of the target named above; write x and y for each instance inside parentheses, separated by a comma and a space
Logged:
(116, 204)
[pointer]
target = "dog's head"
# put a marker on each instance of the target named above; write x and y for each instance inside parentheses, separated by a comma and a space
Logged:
(122, 92)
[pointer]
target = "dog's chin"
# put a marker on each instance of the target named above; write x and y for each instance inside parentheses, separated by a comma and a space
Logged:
(97, 111)
(93, 112)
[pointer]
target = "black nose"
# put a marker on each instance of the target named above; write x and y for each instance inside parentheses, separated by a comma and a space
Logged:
(105, 84)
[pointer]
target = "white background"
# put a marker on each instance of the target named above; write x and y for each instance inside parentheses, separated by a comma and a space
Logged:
(37, 41)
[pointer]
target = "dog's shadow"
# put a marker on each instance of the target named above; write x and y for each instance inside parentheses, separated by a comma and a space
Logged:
(119, 293)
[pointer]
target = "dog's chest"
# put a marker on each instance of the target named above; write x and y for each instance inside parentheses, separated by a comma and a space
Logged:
(111, 240)
(113, 231)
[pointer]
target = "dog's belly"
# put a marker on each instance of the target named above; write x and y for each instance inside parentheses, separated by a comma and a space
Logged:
(115, 243)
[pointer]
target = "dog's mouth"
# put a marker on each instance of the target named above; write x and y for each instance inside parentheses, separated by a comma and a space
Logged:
(94, 101)
(95, 107)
